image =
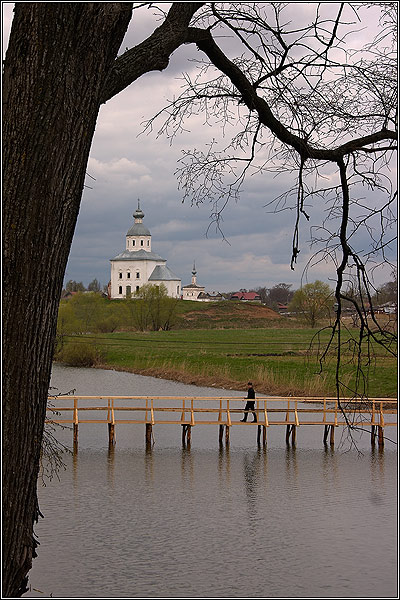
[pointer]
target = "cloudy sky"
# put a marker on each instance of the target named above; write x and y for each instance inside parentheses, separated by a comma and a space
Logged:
(126, 165)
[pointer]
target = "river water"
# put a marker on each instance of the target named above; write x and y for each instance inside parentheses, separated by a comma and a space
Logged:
(213, 521)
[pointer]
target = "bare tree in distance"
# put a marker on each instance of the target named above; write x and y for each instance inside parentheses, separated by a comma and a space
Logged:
(305, 103)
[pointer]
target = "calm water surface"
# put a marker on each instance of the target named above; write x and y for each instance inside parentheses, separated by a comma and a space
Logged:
(211, 521)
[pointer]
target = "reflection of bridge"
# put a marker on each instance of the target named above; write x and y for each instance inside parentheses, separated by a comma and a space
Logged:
(191, 411)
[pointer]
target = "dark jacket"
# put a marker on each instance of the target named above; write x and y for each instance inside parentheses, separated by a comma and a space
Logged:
(251, 394)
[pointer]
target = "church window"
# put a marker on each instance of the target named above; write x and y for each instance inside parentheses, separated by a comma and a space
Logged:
(133, 242)
(128, 275)
(120, 275)
(137, 288)
(148, 243)
(141, 242)
(138, 275)
(120, 289)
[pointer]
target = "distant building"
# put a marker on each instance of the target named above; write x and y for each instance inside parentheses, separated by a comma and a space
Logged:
(246, 296)
(138, 264)
(282, 308)
(192, 291)
(210, 296)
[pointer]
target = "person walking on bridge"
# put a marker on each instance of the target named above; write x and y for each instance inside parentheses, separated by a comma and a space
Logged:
(250, 404)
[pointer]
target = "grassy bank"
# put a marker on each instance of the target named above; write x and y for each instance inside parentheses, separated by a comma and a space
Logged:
(277, 360)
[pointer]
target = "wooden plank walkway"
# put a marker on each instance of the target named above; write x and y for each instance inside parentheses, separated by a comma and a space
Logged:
(190, 411)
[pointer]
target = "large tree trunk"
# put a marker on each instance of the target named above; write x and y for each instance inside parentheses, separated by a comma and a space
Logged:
(58, 58)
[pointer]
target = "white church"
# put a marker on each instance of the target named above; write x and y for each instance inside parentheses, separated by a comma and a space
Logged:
(138, 264)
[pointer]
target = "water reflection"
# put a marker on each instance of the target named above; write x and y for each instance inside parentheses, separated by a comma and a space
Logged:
(224, 465)
(377, 462)
(111, 465)
(291, 464)
(187, 468)
(149, 463)
(251, 476)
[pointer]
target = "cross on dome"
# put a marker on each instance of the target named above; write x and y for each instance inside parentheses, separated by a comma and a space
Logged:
(138, 214)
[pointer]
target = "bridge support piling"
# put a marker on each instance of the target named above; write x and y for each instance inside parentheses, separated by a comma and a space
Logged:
(75, 433)
(380, 437)
(373, 435)
(221, 434)
(291, 431)
(331, 429)
(186, 434)
(263, 429)
(111, 434)
(149, 431)
(227, 432)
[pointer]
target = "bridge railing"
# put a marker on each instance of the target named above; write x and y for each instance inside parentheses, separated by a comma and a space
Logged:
(200, 410)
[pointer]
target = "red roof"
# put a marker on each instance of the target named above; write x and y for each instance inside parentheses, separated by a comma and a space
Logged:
(246, 296)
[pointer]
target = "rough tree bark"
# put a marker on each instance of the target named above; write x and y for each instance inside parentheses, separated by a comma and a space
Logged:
(60, 66)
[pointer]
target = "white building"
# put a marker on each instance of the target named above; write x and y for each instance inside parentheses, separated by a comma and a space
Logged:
(138, 264)
(192, 290)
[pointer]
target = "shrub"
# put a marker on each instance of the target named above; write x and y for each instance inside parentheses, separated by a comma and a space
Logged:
(81, 354)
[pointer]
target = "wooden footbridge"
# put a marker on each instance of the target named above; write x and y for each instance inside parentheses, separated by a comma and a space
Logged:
(225, 412)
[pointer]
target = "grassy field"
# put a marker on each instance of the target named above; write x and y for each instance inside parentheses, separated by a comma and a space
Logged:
(278, 359)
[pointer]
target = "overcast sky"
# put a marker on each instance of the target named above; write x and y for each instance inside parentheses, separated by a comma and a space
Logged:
(125, 166)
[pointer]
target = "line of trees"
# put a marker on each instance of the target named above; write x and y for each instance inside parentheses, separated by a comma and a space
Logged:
(77, 286)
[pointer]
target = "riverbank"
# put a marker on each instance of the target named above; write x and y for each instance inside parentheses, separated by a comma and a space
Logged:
(278, 362)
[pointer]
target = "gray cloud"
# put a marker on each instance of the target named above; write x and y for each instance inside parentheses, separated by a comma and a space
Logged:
(127, 165)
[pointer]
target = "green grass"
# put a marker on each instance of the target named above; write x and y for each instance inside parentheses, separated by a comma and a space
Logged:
(277, 360)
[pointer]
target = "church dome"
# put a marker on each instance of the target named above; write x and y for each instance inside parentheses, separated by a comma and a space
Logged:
(138, 228)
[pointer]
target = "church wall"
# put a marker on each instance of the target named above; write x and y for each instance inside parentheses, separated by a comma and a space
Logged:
(145, 269)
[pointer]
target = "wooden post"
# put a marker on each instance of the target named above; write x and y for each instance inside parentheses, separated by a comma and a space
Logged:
(264, 434)
(332, 439)
(227, 428)
(380, 437)
(221, 433)
(149, 431)
(373, 435)
(186, 434)
(111, 434)
(326, 430)
(75, 421)
(291, 431)
(75, 433)
(380, 427)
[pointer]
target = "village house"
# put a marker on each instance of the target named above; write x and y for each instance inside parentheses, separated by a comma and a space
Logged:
(138, 264)
(246, 296)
